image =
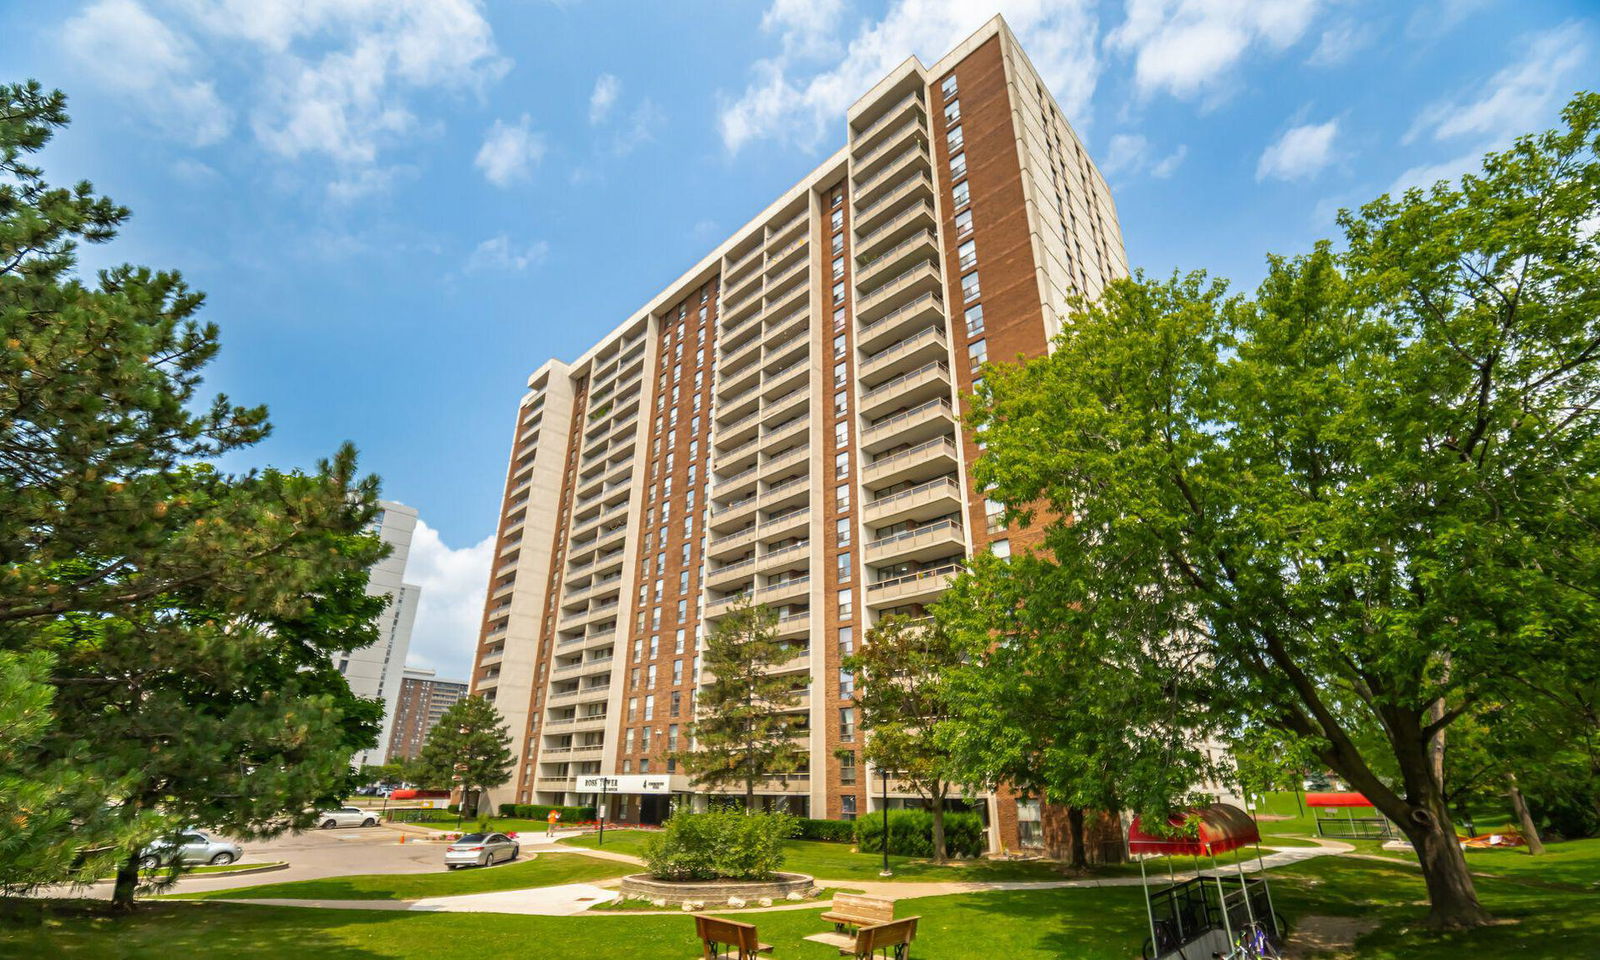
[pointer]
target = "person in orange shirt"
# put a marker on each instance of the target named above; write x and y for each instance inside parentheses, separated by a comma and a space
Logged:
(553, 819)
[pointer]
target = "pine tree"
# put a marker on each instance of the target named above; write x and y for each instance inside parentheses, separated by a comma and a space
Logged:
(741, 732)
(468, 749)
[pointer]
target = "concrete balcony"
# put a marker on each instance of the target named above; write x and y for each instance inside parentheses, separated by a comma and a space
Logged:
(786, 494)
(935, 498)
(785, 557)
(734, 383)
(789, 299)
(922, 461)
(785, 434)
(732, 544)
(776, 463)
(869, 189)
(928, 382)
(724, 605)
(916, 187)
(793, 588)
(734, 483)
(580, 695)
(871, 132)
(784, 406)
(906, 318)
(922, 422)
(780, 283)
(869, 158)
(920, 245)
(903, 356)
(735, 268)
(919, 587)
(920, 544)
(785, 380)
(919, 216)
(732, 515)
(916, 280)
(778, 235)
(794, 625)
(739, 432)
(740, 457)
(739, 355)
(719, 578)
(789, 524)
(493, 656)
(785, 256)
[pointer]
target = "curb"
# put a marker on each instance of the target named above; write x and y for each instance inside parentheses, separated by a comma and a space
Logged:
(242, 872)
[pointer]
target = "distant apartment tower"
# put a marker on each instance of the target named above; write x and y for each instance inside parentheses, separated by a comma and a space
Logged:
(781, 423)
(375, 670)
(423, 700)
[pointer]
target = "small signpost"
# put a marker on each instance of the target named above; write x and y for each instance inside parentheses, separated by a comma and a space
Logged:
(643, 784)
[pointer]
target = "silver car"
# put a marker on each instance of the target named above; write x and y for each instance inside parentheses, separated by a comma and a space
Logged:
(480, 849)
(346, 817)
(192, 846)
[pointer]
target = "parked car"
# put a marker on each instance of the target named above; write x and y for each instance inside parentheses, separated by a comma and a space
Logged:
(346, 817)
(191, 846)
(480, 849)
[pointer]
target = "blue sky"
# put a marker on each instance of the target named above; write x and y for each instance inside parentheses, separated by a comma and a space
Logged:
(399, 208)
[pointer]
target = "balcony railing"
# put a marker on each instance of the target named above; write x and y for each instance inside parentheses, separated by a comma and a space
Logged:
(943, 570)
(943, 483)
(916, 411)
(899, 313)
(889, 386)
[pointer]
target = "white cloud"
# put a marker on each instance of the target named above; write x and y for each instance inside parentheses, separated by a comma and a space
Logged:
(641, 128)
(606, 89)
(1301, 152)
(797, 102)
(499, 253)
(1189, 47)
(123, 46)
(1129, 153)
(1339, 43)
(1518, 99)
(510, 152)
(450, 608)
(332, 79)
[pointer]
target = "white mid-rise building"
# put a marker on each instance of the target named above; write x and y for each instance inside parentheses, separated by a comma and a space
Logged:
(375, 671)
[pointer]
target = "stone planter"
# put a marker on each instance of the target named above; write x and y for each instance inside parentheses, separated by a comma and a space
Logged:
(717, 893)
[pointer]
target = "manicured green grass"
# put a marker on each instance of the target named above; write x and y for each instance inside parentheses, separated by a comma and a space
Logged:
(835, 861)
(545, 871)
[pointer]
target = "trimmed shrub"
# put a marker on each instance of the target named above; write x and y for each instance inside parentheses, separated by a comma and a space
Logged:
(706, 846)
(911, 833)
(835, 831)
(537, 811)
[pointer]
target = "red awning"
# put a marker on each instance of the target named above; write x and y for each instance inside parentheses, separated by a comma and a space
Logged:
(1222, 828)
(1337, 800)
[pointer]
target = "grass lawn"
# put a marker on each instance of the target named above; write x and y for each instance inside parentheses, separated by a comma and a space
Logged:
(1548, 908)
(835, 861)
(545, 871)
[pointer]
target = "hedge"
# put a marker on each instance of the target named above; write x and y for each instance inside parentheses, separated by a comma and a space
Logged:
(538, 811)
(911, 833)
(837, 831)
(721, 843)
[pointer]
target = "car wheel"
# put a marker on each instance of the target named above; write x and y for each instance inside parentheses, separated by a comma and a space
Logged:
(516, 852)
(449, 866)
(488, 858)
(329, 824)
(369, 822)
(222, 859)
(149, 863)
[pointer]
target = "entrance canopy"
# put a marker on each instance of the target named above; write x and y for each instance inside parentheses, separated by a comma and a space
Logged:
(1337, 800)
(1222, 827)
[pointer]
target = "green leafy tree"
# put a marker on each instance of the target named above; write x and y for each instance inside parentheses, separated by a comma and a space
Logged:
(903, 695)
(469, 749)
(1050, 701)
(741, 732)
(1366, 491)
(184, 616)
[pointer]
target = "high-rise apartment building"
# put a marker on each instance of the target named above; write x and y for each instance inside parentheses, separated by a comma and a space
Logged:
(781, 423)
(423, 699)
(374, 671)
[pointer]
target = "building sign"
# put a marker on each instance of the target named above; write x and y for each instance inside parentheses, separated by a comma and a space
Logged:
(639, 783)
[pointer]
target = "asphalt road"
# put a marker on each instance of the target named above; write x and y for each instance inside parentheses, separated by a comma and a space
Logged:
(310, 855)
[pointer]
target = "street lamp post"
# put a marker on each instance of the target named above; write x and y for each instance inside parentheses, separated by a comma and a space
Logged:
(885, 872)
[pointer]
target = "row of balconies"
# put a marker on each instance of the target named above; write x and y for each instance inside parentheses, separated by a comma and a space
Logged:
(786, 556)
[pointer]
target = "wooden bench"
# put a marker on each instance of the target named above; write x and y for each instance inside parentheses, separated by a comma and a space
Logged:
(739, 938)
(854, 910)
(892, 939)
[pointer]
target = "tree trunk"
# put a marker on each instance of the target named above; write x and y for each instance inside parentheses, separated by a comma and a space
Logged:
(1079, 858)
(1520, 805)
(936, 801)
(127, 882)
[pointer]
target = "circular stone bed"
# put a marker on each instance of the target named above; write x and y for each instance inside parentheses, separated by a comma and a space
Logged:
(717, 893)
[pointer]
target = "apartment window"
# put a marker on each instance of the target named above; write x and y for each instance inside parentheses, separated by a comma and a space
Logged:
(836, 199)
(847, 684)
(838, 345)
(658, 591)
(958, 166)
(838, 265)
(683, 581)
(633, 678)
(677, 703)
(838, 219)
(638, 648)
(974, 319)
(841, 403)
(677, 642)
(847, 774)
(847, 641)
(978, 351)
(841, 433)
(841, 497)
(847, 724)
(655, 646)
(841, 464)
(948, 87)
(644, 763)
(838, 318)
(1000, 548)
(964, 223)
(655, 618)
(838, 243)
(969, 287)
(627, 766)
(968, 254)
(633, 708)
(847, 604)
(841, 531)
(672, 736)
(840, 369)
(962, 194)
(683, 554)
(650, 707)
(694, 445)
(955, 139)
(952, 112)
(838, 292)
(677, 671)
(843, 567)
(682, 610)
(627, 741)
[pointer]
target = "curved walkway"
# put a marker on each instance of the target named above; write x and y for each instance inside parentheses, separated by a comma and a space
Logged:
(578, 898)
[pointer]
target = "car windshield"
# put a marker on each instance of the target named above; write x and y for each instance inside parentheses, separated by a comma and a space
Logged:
(472, 838)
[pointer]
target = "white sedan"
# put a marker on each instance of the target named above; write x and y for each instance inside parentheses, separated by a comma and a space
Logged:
(346, 817)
